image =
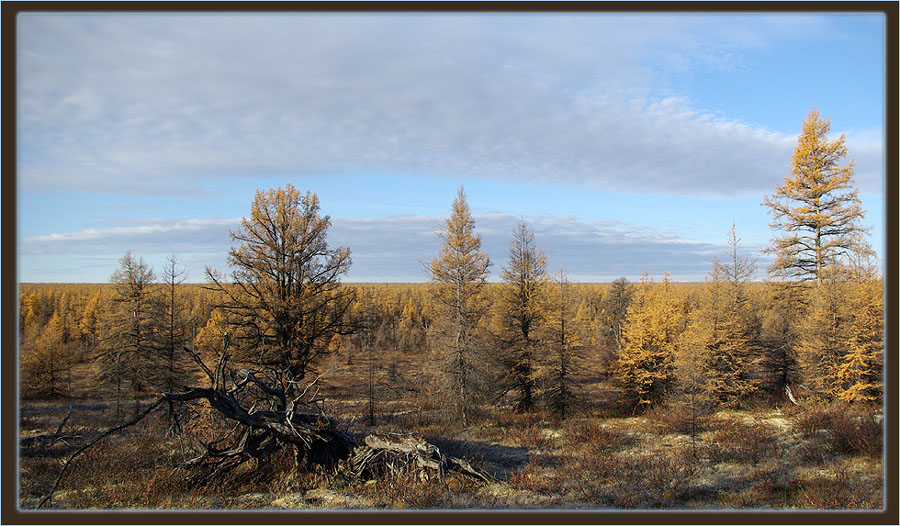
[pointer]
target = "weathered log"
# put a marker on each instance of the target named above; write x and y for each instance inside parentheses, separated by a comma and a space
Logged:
(382, 453)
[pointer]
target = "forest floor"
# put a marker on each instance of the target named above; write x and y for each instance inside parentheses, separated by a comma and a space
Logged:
(807, 457)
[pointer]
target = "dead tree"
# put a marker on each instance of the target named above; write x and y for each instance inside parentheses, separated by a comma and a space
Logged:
(267, 420)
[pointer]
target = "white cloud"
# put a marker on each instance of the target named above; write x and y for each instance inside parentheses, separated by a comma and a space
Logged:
(156, 236)
(384, 249)
(149, 103)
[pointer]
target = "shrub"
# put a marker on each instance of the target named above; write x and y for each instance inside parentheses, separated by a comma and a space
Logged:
(677, 419)
(531, 477)
(744, 442)
(839, 429)
(844, 491)
(590, 433)
(402, 491)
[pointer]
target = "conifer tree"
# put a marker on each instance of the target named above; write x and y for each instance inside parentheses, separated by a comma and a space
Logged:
(173, 325)
(128, 351)
(645, 363)
(46, 363)
(559, 364)
(412, 333)
(717, 335)
(458, 276)
(285, 303)
(716, 339)
(816, 213)
(821, 345)
(779, 336)
(860, 371)
(519, 313)
(841, 345)
(90, 320)
(613, 309)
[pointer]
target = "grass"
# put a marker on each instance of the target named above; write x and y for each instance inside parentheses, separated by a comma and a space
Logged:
(815, 457)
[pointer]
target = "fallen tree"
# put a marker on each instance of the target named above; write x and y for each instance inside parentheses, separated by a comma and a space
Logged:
(266, 421)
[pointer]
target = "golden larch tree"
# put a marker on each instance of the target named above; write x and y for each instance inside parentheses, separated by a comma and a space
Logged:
(816, 212)
(645, 363)
(458, 275)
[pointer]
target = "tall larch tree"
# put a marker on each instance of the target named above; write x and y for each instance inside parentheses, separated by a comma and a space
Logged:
(285, 302)
(519, 312)
(458, 276)
(174, 332)
(128, 349)
(816, 213)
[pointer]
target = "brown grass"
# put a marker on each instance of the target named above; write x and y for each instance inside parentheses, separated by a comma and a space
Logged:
(744, 459)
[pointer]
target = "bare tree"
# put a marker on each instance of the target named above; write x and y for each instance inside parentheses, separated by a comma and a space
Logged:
(174, 326)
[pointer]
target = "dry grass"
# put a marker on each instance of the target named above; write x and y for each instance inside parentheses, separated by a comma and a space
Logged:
(817, 457)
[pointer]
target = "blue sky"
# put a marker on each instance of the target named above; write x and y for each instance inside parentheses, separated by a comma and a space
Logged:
(629, 142)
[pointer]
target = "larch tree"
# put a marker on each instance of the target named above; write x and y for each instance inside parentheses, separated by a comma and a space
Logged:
(173, 326)
(822, 345)
(89, 325)
(47, 361)
(841, 337)
(285, 302)
(645, 363)
(716, 339)
(558, 364)
(412, 334)
(613, 309)
(816, 213)
(717, 334)
(458, 275)
(778, 338)
(860, 372)
(128, 348)
(519, 313)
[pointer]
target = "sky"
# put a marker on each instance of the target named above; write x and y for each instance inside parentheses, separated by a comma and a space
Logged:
(629, 143)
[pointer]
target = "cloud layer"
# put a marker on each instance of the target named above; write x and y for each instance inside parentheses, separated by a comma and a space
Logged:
(148, 104)
(389, 249)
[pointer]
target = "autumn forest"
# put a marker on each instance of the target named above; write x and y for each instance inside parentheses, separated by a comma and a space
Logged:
(496, 384)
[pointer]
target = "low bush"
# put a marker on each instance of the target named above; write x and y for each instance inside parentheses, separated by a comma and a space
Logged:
(404, 491)
(677, 419)
(592, 434)
(839, 429)
(532, 477)
(735, 440)
(843, 491)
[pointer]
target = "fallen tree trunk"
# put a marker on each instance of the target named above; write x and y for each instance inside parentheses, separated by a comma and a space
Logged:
(383, 454)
